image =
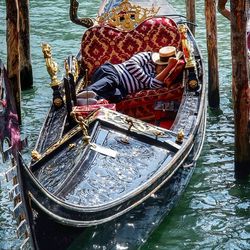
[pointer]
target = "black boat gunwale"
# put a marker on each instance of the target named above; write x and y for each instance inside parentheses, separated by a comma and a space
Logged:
(187, 145)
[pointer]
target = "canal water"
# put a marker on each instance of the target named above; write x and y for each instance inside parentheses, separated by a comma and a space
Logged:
(214, 210)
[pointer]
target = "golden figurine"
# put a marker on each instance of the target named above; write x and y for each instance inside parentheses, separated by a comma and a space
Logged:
(35, 155)
(52, 69)
(186, 47)
(51, 65)
(180, 136)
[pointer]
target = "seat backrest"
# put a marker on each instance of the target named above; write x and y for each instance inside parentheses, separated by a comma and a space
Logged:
(103, 43)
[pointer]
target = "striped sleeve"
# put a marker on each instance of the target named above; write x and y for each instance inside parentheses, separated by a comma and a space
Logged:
(140, 67)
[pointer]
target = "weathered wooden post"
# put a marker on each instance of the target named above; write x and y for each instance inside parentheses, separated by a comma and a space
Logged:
(191, 15)
(241, 88)
(13, 61)
(26, 77)
(213, 75)
(222, 9)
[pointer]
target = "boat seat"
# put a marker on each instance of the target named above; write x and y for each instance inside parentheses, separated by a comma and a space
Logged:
(141, 105)
(104, 43)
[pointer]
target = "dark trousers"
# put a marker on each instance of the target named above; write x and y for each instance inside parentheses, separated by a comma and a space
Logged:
(106, 84)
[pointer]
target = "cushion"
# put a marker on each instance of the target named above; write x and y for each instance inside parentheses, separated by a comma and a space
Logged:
(104, 43)
(141, 104)
(85, 110)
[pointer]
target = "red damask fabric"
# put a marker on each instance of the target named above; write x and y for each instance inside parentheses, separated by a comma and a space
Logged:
(104, 43)
(141, 104)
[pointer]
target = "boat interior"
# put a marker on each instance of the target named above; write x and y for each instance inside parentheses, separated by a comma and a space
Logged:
(116, 37)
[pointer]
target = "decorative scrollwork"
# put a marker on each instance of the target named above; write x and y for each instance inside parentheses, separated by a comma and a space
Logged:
(36, 156)
(84, 124)
(86, 21)
(127, 16)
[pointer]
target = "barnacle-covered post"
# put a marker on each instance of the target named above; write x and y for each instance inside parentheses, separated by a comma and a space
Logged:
(52, 69)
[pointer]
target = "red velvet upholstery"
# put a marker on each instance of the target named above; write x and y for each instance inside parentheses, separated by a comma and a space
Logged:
(141, 104)
(104, 43)
(85, 110)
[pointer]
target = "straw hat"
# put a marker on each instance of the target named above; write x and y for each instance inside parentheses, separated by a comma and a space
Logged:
(163, 55)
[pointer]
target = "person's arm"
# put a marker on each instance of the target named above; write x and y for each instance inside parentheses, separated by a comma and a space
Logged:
(134, 66)
(162, 75)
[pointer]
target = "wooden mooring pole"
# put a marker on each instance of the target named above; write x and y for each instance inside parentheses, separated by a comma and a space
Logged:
(19, 67)
(191, 15)
(240, 87)
(26, 77)
(13, 60)
(213, 75)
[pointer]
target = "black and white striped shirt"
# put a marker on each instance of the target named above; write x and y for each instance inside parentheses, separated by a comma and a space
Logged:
(138, 73)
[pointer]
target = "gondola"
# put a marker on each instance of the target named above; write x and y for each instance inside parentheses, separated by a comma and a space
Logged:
(96, 163)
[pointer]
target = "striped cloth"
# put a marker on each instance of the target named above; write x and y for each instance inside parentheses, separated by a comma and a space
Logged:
(138, 73)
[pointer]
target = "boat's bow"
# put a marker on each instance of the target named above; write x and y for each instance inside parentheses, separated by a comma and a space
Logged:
(122, 164)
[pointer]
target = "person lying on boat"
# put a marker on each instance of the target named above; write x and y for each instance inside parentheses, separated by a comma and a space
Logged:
(145, 70)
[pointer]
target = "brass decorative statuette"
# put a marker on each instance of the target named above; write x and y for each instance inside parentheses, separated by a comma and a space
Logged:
(52, 69)
(51, 65)
(35, 155)
(180, 137)
(127, 16)
(186, 47)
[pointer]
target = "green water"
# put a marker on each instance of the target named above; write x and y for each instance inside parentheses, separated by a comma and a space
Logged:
(214, 212)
